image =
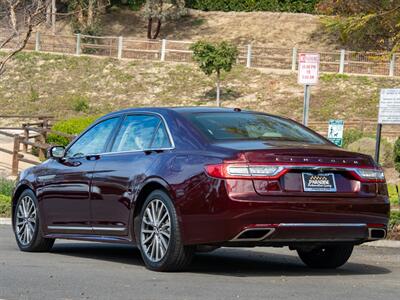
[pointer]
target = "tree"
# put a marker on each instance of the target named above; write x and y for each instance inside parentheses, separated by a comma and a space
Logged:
(86, 13)
(215, 58)
(161, 10)
(22, 17)
(364, 24)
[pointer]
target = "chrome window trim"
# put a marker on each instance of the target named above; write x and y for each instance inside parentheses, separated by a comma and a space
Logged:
(171, 139)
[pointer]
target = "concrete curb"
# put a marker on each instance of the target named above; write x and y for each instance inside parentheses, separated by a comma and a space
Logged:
(384, 243)
(5, 221)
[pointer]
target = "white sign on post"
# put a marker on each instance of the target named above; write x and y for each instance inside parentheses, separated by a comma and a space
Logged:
(389, 107)
(308, 68)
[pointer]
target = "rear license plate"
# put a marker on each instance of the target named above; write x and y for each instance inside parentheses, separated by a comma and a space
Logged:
(319, 182)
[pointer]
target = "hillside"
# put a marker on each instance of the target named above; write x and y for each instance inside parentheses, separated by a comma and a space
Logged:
(261, 28)
(58, 85)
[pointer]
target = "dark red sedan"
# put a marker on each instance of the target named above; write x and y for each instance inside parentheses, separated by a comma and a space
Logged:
(174, 181)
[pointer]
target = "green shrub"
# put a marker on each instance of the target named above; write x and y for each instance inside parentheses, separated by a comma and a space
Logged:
(393, 196)
(396, 155)
(71, 126)
(80, 104)
(394, 219)
(351, 135)
(305, 6)
(5, 206)
(6, 187)
(366, 145)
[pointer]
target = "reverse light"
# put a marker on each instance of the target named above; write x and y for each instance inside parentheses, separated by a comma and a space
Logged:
(244, 171)
(370, 175)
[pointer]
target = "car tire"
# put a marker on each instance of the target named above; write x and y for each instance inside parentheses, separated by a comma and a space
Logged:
(27, 225)
(329, 257)
(155, 236)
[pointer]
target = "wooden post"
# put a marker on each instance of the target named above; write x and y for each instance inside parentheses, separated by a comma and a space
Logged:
(26, 138)
(42, 139)
(15, 160)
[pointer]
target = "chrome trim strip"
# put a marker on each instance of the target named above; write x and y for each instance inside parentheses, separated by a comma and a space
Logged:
(109, 228)
(86, 228)
(237, 239)
(322, 225)
(69, 228)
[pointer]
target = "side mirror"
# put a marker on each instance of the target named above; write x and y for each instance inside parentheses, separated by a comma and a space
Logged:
(56, 152)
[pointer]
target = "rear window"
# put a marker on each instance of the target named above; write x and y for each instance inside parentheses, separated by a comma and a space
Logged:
(251, 126)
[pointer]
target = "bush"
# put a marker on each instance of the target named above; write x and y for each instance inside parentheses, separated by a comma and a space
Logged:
(5, 206)
(350, 136)
(70, 126)
(393, 196)
(394, 219)
(305, 6)
(6, 187)
(80, 104)
(366, 145)
(396, 154)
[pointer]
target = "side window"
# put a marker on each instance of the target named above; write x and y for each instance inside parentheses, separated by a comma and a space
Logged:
(138, 133)
(161, 139)
(93, 141)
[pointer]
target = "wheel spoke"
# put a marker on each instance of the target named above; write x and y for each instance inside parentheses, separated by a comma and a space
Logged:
(26, 220)
(155, 230)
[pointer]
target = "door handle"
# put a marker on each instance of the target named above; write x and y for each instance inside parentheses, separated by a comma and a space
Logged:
(93, 157)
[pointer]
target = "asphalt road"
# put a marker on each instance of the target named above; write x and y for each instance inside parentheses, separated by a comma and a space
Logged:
(101, 271)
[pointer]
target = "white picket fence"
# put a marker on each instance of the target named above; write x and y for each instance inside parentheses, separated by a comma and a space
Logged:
(252, 55)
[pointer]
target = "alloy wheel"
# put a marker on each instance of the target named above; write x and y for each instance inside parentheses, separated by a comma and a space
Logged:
(155, 231)
(26, 220)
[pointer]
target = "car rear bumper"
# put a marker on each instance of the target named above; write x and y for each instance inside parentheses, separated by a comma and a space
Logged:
(310, 232)
(287, 220)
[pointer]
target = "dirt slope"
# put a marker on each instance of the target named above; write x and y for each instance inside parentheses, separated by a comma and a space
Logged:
(261, 28)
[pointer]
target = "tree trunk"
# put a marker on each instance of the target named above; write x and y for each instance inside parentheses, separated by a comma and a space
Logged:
(158, 28)
(149, 27)
(218, 88)
(90, 13)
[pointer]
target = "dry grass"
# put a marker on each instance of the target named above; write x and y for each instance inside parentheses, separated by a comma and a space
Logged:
(44, 83)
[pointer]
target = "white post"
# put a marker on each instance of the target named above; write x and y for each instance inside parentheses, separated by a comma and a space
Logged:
(163, 49)
(342, 60)
(120, 45)
(392, 65)
(37, 41)
(78, 44)
(294, 59)
(248, 62)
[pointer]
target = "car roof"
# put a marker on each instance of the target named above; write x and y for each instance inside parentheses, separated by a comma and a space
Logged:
(179, 109)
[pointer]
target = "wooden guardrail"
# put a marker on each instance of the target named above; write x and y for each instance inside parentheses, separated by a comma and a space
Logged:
(34, 135)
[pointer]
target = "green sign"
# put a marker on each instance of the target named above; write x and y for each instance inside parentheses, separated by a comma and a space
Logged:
(335, 132)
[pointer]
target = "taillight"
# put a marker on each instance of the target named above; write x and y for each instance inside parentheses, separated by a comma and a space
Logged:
(369, 175)
(245, 171)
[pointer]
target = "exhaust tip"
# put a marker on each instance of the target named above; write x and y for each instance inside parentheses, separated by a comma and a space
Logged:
(376, 233)
(253, 234)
